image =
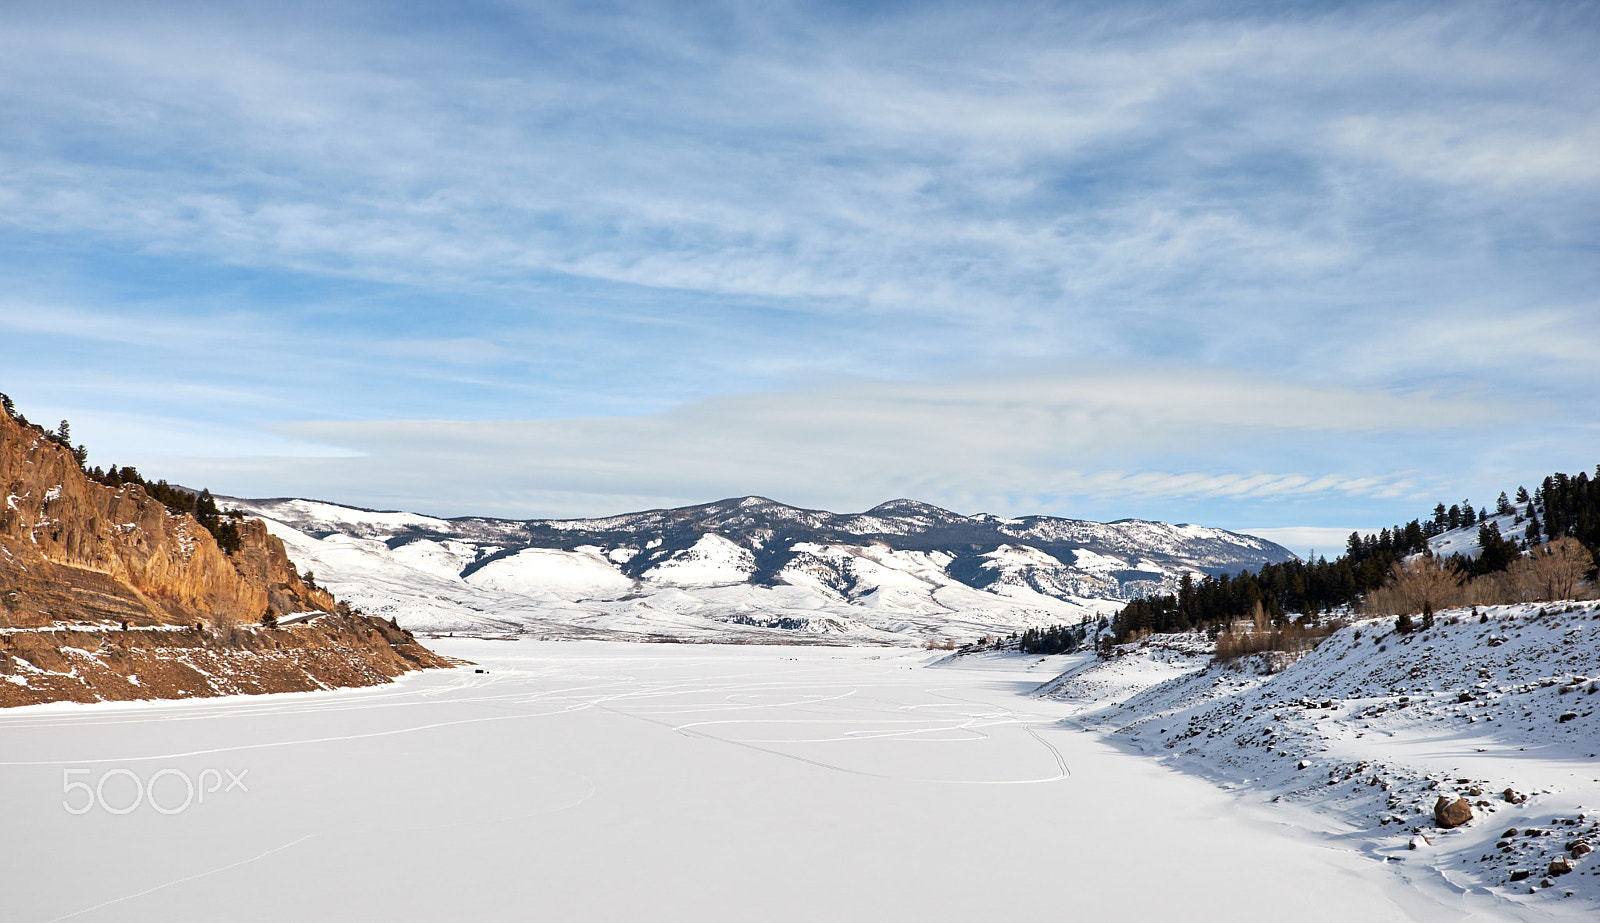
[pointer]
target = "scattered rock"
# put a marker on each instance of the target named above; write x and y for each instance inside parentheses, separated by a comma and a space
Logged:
(1447, 813)
(1513, 797)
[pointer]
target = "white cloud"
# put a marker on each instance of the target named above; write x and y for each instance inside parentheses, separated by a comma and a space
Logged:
(138, 436)
(493, 220)
(798, 163)
(452, 350)
(1555, 152)
(1324, 541)
(997, 443)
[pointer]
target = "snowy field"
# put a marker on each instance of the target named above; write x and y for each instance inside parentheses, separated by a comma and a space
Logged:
(614, 781)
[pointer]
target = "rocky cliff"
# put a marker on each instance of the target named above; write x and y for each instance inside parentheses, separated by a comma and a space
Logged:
(77, 555)
(71, 548)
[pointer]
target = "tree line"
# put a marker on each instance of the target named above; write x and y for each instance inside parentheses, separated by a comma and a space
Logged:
(1058, 639)
(1570, 507)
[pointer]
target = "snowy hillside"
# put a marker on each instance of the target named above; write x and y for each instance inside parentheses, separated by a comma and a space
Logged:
(747, 569)
(1464, 541)
(1495, 705)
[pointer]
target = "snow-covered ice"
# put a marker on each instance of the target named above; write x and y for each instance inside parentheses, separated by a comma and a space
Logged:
(616, 781)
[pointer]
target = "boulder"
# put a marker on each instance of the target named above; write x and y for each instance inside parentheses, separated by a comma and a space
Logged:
(1447, 813)
(1560, 865)
(1579, 849)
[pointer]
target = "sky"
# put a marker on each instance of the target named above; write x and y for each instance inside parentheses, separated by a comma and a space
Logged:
(1288, 268)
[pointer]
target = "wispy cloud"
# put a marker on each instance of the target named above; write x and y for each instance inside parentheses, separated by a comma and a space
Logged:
(1358, 222)
(812, 166)
(1056, 443)
(1318, 541)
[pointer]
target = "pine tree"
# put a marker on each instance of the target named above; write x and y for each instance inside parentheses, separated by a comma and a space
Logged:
(1497, 553)
(227, 535)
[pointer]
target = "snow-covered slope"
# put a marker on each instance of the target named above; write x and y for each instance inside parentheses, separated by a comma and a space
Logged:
(746, 569)
(1372, 728)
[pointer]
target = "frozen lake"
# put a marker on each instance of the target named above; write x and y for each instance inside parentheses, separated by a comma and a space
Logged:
(609, 781)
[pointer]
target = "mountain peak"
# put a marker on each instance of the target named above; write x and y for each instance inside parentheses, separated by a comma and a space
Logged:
(906, 507)
(753, 501)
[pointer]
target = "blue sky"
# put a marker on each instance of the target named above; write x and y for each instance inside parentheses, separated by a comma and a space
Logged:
(1251, 265)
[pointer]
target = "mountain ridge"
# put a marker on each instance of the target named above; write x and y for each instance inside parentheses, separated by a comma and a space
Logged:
(890, 572)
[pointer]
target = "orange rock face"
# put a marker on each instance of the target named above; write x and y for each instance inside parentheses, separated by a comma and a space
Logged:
(72, 548)
(74, 552)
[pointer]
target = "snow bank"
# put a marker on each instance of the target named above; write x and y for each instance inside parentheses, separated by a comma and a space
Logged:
(1373, 727)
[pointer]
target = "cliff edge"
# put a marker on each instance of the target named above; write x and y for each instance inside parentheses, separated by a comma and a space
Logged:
(111, 574)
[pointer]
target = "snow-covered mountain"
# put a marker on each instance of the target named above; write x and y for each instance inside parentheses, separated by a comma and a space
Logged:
(746, 569)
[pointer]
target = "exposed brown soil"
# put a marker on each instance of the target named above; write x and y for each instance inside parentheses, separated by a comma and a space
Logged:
(93, 665)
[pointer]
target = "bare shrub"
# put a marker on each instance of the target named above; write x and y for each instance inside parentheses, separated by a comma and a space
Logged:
(1295, 638)
(1498, 589)
(1421, 583)
(1556, 570)
(226, 629)
(1553, 571)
